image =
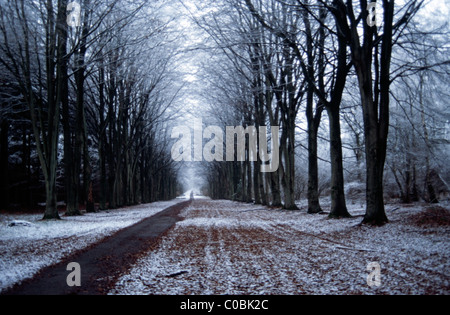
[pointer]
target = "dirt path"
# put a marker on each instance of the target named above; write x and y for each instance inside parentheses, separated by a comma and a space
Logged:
(102, 263)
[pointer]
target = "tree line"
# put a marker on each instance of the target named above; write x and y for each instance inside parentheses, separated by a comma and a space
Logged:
(298, 64)
(86, 97)
(90, 89)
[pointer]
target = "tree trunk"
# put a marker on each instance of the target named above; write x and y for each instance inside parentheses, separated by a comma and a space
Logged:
(71, 183)
(275, 189)
(375, 161)
(236, 172)
(81, 129)
(262, 189)
(72, 205)
(313, 171)
(102, 139)
(256, 181)
(338, 204)
(289, 202)
(249, 180)
(56, 34)
(372, 64)
(87, 174)
(274, 177)
(431, 196)
(103, 178)
(244, 181)
(375, 212)
(51, 209)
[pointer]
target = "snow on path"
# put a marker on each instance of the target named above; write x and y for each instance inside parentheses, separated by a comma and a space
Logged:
(24, 250)
(232, 248)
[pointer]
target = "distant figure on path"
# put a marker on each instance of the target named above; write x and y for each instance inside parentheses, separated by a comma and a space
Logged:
(192, 195)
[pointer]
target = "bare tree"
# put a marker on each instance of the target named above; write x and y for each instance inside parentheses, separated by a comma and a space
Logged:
(62, 72)
(372, 56)
(40, 73)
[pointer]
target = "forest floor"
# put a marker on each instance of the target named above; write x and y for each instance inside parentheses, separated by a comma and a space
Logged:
(224, 247)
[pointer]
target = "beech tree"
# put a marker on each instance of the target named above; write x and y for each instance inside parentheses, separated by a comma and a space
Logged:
(270, 90)
(371, 54)
(313, 59)
(64, 59)
(131, 92)
(40, 72)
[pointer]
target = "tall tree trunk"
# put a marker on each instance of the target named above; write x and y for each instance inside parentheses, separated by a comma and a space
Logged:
(414, 193)
(374, 90)
(376, 145)
(375, 212)
(256, 177)
(71, 183)
(231, 183)
(87, 173)
(102, 152)
(244, 181)
(112, 146)
(274, 177)
(408, 175)
(275, 188)
(262, 188)
(313, 173)
(72, 205)
(249, 179)
(338, 203)
(289, 202)
(81, 130)
(313, 118)
(56, 45)
(51, 210)
(431, 196)
(236, 172)
(313, 166)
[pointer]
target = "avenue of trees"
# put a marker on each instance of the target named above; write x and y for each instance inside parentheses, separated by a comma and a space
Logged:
(90, 91)
(368, 83)
(86, 93)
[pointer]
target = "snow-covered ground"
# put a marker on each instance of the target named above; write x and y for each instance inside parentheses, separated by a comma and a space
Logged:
(31, 244)
(224, 247)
